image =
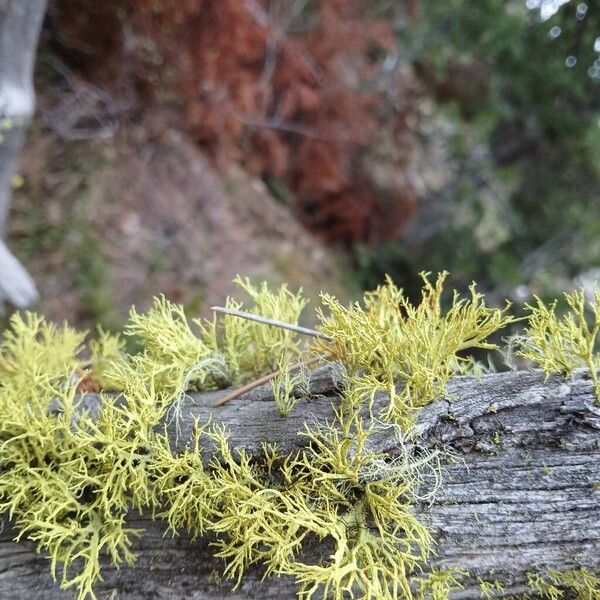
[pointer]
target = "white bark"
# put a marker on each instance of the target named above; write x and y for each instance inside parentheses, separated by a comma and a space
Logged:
(16, 285)
(20, 23)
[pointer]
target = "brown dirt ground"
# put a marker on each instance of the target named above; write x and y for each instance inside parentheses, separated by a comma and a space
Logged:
(104, 224)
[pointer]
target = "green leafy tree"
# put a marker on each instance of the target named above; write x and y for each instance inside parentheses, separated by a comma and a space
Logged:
(517, 90)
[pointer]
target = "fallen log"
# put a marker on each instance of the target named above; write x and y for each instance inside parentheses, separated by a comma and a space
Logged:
(520, 493)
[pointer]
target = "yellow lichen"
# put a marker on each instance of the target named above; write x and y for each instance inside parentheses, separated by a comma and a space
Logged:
(562, 343)
(491, 589)
(36, 353)
(439, 584)
(70, 473)
(418, 347)
(581, 584)
(289, 381)
(106, 349)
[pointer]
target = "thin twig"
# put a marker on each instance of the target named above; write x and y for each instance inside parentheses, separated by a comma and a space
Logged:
(272, 322)
(265, 379)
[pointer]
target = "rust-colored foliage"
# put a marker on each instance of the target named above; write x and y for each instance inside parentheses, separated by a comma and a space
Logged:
(290, 88)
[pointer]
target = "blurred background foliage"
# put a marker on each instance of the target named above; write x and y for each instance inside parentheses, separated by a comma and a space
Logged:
(386, 136)
(516, 86)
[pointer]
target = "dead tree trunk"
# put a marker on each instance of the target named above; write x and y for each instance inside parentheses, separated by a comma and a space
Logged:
(20, 23)
(521, 494)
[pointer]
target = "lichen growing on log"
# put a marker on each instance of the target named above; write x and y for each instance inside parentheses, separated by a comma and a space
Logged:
(72, 472)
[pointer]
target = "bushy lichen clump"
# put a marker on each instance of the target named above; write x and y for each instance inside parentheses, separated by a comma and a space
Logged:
(387, 341)
(580, 584)
(562, 343)
(264, 508)
(69, 476)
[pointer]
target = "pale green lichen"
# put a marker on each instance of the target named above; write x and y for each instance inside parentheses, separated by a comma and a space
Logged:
(491, 589)
(68, 478)
(420, 347)
(562, 343)
(439, 584)
(579, 584)
(68, 481)
(35, 353)
(174, 358)
(105, 349)
(263, 508)
(289, 381)
(215, 355)
(258, 348)
(583, 582)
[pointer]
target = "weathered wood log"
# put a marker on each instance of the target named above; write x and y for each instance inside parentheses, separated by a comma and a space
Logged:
(20, 23)
(522, 493)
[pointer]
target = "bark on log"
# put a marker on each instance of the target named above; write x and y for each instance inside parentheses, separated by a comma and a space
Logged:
(521, 495)
(20, 23)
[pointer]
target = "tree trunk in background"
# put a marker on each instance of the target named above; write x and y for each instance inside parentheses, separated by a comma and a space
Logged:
(521, 494)
(20, 23)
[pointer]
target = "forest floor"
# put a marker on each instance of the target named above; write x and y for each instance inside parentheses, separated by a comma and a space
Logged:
(106, 223)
